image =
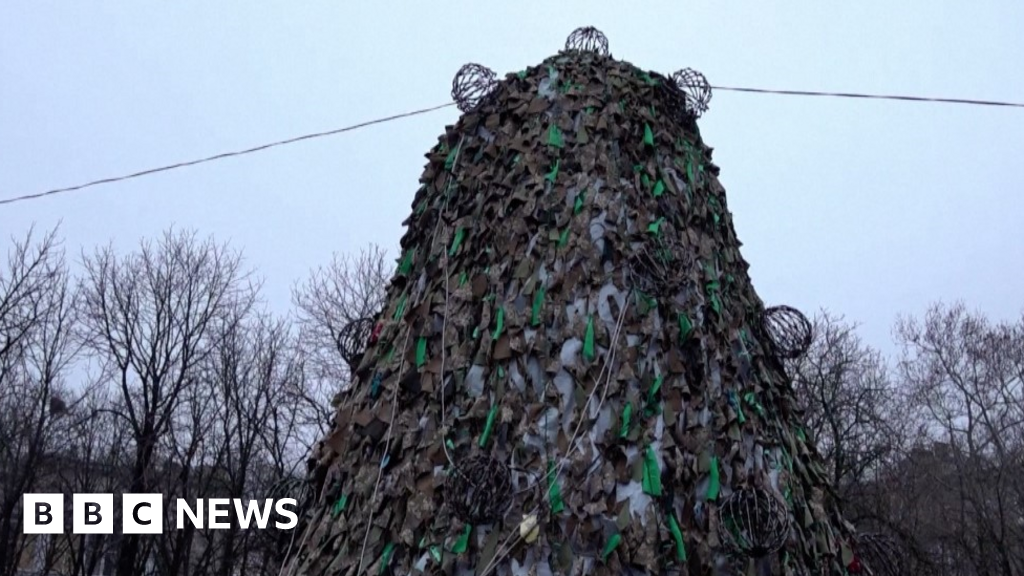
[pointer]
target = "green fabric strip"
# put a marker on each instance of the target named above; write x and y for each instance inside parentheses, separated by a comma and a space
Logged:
(610, 546)
(551, 176)
(655, 227)
(588, 340)
(677, 535)
(713, 482)
(385, 558)
(489, 426)
(554, 490)
(421, 351)
(652, 473)
(555, 137)
(684, 326)
(580, 199)
(627, 413)
(406, 264)
(339, 506)
(563, 238)
(462, 544)
(538, 303)
(648, 135)
(457, 241)
(500, 322)
(659, 188)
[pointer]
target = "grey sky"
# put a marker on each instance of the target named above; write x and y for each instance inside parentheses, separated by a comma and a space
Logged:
(868, 208)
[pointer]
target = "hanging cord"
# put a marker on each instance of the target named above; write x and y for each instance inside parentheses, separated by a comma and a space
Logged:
(505, 548)
(394, 392)
(447, 293)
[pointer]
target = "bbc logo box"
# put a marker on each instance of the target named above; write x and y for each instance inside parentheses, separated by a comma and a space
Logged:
(144, 513)
(93, 514)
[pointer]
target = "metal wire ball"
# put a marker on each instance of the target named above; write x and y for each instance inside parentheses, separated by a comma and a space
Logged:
(753, 522)
(587, 39)
(478, 490)
(352, 339)
(788, 330)
(659, 267)
(881, 553)
(696, 88)
(472, 84)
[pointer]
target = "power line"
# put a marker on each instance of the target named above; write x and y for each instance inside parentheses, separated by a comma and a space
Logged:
(221, 156)
(873, 96)
(433, 108)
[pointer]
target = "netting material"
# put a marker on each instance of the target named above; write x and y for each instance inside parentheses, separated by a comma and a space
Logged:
(696, 88)
(788, 330)
(587, 39)
(472, 85)
(753, 522)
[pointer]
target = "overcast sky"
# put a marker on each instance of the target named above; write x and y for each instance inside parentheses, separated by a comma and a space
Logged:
(868, 208)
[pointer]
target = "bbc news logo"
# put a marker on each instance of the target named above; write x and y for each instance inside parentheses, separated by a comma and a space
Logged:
(144, 513)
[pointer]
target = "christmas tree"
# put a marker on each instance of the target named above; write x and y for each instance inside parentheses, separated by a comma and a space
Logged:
(573, 373)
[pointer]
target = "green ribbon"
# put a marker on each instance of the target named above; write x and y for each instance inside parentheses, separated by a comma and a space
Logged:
(648, 135)
(449, 162)
(588, 340)
(400, 308)
(538, 303)
(385, 558)
(659, 188)
(554, 490)
(500, 322)
(627, 413)
(457, 241)
(653, 404)
(677, 535)
(489, 426)
(580, 198)
(685, 327)
(406, 264)
(563, 238)
(610, 546)
(555, 137)
(655, 227)
(652, 474)
(421, 351)
(339, 506)
(713, 481)
(550, 177)
(462, 544)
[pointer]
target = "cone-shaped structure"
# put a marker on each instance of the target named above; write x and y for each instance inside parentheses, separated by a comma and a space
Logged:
(572, 374)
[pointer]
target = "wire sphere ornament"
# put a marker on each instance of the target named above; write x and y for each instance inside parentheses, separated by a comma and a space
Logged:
(881, 553)
(478, 490)
(788, 330)
(696, 89)
(659, 267)
(352, 340)
(753, 522)
(587, 39)
(472, 84)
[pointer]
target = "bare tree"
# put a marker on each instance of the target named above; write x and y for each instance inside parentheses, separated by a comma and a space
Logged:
(37, 314)
(151, 318)
(966, 377)
(348, 289)
(848, 402)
